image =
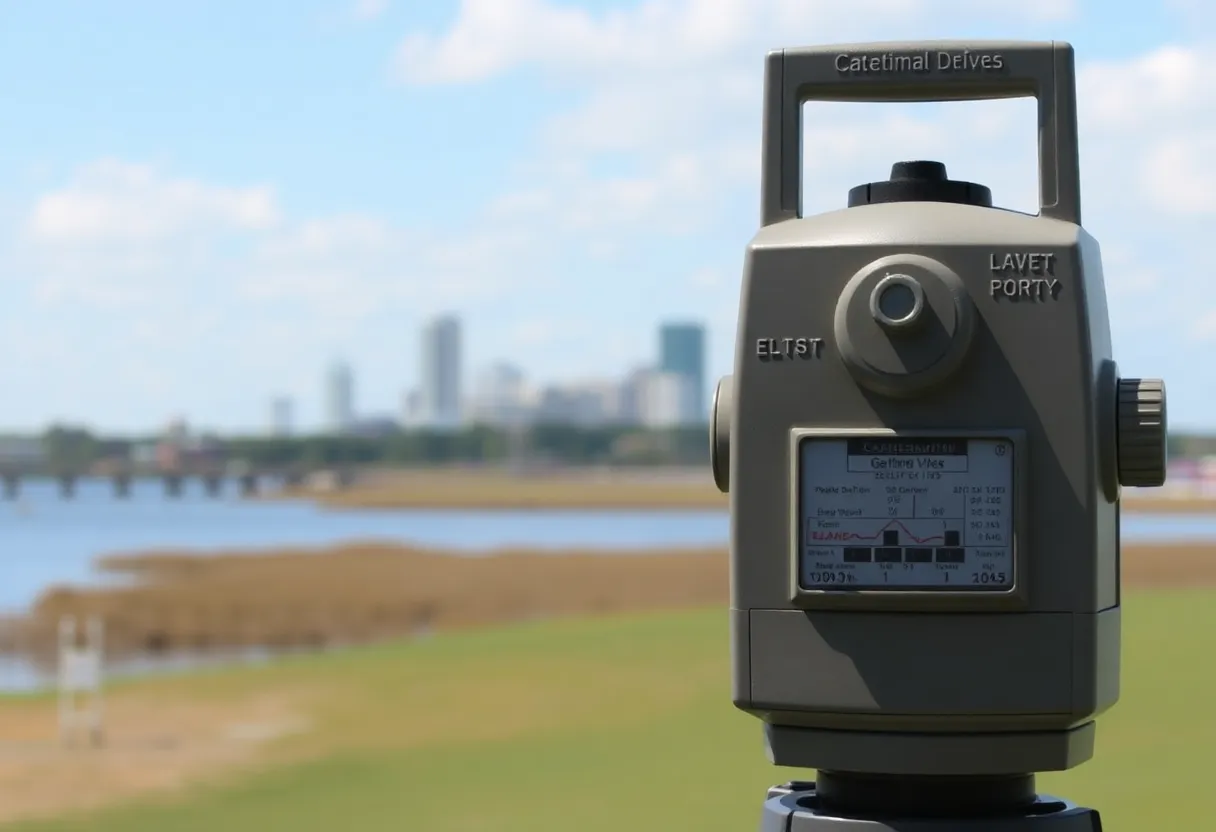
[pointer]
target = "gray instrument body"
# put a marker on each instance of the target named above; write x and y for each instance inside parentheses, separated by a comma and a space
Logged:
(924, 440)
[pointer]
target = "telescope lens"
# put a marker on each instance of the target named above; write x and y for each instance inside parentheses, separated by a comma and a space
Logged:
(897, 301)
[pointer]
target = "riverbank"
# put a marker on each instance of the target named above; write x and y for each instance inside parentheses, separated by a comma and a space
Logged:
(216, 603)
(613, 490)
(288, 598)
(491, 489)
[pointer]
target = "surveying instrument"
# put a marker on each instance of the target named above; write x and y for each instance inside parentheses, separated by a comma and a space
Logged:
(924, 440)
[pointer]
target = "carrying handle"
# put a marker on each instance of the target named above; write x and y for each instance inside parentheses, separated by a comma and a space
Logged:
(921, 71)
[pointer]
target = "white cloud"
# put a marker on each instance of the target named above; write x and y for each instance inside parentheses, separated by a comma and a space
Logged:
(1194, 13)
(112, 200)
(673, 86)
(131, 227)
(1124, 275)
(370, 9)
(626, 115)
(1204, 329)
(1178, 174)
(661, 133)
(348, 267)
(57, 289)
(707, 278)
(121, 233)
(658, 144)
(674, 195)
(1139, 92)
(494, 36)
(539, 332)
(171, 289)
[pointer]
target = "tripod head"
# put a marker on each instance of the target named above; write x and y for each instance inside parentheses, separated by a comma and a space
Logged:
(924, 441)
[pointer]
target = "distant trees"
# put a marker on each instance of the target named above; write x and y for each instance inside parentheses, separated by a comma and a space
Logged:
(563, 444)
(76, 448)
(1189, 446)
(70, 448)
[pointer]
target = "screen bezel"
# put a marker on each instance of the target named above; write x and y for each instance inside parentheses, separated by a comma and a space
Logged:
(911, 599)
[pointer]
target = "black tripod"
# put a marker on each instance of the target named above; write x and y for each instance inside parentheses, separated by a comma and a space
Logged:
(841, 802)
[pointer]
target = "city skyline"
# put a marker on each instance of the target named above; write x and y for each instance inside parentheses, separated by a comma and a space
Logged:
(181, 234)
(663, 392)
(304, 410)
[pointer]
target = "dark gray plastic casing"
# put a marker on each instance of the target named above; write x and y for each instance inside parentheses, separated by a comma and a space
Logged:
(928, 683)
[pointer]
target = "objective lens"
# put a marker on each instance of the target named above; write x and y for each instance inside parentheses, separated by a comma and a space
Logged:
(897, 301)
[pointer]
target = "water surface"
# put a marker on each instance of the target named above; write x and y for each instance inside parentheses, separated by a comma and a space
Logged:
(46, 539)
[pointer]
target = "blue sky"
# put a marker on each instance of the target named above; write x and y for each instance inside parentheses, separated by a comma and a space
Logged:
(203, 204)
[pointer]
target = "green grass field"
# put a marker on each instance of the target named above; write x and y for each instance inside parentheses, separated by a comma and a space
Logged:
(625, 726)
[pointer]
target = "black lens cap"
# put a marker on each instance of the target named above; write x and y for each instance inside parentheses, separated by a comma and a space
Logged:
(920, 182)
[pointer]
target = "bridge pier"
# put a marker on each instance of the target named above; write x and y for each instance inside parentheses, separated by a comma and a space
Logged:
(122, 480)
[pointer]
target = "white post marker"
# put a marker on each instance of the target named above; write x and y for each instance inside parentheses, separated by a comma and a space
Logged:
(80, 680)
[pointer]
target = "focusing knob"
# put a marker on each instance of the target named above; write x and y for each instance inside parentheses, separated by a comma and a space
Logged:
(719, 432)
(1142, 429)
(920, 182)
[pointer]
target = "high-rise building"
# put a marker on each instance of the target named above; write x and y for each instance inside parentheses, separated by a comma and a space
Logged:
(587, 403)
(441, 389)
(682, 351)
(629, 397)
(280, 416)
(662, 399)
(339, 398)
(411, 408)
(501, 397)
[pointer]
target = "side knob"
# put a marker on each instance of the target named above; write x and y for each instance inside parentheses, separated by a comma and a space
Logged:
(1142, 429)
(719, 432)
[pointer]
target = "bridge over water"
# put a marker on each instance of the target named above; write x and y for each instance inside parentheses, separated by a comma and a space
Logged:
(248, 481)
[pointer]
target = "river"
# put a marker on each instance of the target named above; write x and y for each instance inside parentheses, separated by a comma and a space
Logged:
(45, 539)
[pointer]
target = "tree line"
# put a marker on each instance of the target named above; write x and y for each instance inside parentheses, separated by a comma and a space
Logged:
(78, 448)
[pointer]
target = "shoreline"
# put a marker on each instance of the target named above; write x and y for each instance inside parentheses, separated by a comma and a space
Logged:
(296, 598)
(572, 500)
(447, 490)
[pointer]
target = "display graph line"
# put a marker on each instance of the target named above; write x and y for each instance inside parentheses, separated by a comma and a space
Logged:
(846, 536)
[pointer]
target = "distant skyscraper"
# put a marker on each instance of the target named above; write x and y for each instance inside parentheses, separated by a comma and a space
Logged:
(682, 351)
(339, 398)
(663, 400)
(441, 372)
(280, 416)
(588, 403)
(501, 396)
(411, 408)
